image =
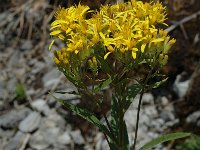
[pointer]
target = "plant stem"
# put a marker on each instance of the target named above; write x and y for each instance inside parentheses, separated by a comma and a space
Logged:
(138, 117)
(140, 102)
(121, 125)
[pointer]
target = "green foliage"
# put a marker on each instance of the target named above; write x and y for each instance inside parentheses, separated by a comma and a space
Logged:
(192, 143)
(133, 90)
(164, 138)
(102, 85)
(20, 91)
(85, 114)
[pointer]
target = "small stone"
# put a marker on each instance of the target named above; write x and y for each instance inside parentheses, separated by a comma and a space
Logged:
(14, 59)
(77, 137)
(17, 141)
(26, 45)
(105, 145)
(38, 142)
(164, 101)
(12, 118)
(148, 98)
(53, 120)
(30, 123)
(64, 138)
(181, 87)
(51, 78)
(167, 116)
(193, 118)
(41, 106)
(11, 85)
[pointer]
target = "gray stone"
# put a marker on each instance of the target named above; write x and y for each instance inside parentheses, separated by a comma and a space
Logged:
(64, 138)
(45, 137)
(164, 101)
(53, 120)
(26, 45)
(51, 78)
(193, 118)
(167, 116)
(77, 137)
(181, 87)
(6, 134)
(41, 106)
(147, 98)
(38, 67)
(38, 141)
(14, 59)
(17, 141)
(12, 118)
(11, 85)
(30, 123)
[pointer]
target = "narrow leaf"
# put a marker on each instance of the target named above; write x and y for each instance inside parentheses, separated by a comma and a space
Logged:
(133, 90)
(85, 114)
(103, 85)
(157, 84)
(164, 138)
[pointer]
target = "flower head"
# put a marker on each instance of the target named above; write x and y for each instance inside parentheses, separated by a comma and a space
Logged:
(127, 31)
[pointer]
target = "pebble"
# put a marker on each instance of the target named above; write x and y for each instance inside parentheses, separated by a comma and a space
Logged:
(53, 120)
(41, 106)
(16, 142)
(147, 98)
(38, 141)
(51, 78)
(30, 123)
(77, 137)
(64, 138)
(12, 118)
(26, 45)
(193, 118)
(180, 87)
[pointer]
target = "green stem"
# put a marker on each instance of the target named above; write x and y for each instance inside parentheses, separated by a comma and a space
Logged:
(121, 140)
(139, 104)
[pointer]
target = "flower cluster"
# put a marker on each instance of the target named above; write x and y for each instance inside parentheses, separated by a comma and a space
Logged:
(128, 31)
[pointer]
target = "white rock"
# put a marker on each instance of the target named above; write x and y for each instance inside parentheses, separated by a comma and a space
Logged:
(194, 117)
(147, 98)
(77, 137)
(41, 106)
(30, 123)
(181, 87)
(64, 138)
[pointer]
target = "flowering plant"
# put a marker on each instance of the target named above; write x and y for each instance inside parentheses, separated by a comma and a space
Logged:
(115, 40)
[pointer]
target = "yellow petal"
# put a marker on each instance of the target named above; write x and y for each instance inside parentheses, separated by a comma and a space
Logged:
(76, 51)
(68, 30)
(135, 49)
(56, 22)
(133, 54)
(143, 47)
(50, 46)
(105, 57)
(157, 40)
(56, 32)
(53, 27)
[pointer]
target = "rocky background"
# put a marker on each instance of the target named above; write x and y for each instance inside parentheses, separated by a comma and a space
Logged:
(30, 119)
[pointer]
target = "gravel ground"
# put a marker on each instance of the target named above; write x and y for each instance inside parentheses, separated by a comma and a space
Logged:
(36, 121)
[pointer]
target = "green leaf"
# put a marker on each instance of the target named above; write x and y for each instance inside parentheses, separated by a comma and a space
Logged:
(20, 91)
(126, 140)
(102, 85)
(157, 84)
(115, 117)
(133, 90)
(70, 92)
(115, 124)
(164, 138)
(85, 114)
